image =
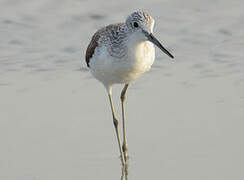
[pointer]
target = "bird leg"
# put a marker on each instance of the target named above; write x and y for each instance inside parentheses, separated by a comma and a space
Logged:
(116, 125)
(122, 97)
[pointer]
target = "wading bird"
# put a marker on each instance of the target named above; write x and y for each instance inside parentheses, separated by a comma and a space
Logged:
(119, 54)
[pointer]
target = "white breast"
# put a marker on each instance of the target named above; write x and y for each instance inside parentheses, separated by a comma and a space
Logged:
(144, 55)
(111, 70)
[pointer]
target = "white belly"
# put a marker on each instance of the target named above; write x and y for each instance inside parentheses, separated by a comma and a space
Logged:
(111, 70)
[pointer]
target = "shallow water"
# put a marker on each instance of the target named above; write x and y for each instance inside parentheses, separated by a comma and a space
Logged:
(185, 117)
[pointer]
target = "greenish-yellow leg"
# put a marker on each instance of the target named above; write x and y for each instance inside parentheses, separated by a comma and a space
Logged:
(116, 125)
(122, 97)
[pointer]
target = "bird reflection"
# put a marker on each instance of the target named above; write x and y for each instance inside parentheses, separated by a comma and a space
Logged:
(124, 171)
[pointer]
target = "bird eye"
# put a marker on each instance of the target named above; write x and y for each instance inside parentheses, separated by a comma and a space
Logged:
(136, 25)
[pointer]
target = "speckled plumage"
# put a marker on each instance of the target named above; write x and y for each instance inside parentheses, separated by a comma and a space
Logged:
(111, 36)
(113, 51)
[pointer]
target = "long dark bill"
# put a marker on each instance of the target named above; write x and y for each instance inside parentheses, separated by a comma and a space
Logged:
(158, 44)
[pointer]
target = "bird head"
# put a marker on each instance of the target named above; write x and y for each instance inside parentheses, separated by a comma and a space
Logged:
(141, 25)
